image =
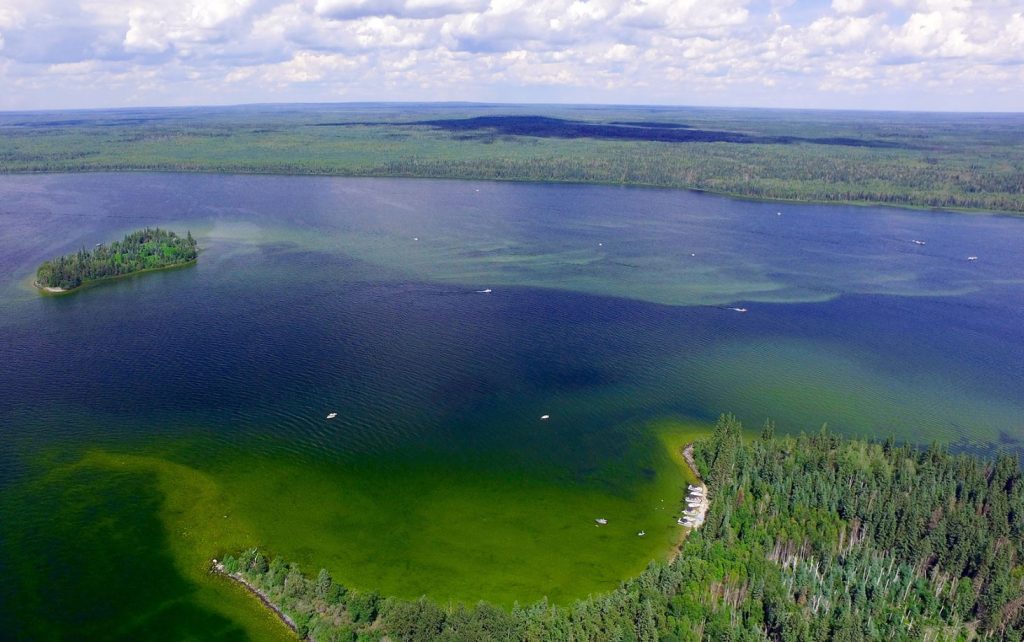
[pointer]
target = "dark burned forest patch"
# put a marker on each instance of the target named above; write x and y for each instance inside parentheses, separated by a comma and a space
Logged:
(547, 127)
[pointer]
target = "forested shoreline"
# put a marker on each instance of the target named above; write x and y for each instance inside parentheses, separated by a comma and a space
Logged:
(813, 537)
(957, 161)
(148, 249)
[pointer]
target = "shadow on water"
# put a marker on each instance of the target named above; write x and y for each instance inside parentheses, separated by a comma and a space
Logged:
(87, 558)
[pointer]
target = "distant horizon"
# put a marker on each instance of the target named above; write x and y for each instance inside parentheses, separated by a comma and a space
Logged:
(955, 56)
(471, 103)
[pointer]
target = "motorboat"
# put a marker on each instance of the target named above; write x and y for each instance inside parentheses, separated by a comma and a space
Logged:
(332, 415)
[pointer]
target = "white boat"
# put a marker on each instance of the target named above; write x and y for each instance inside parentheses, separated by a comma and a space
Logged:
(917, 242)
(694, 489)
(972, 258)
(545, 417)
(332, 415)
(602, 521)
(738, 309)
(642, 533)
(487, 291)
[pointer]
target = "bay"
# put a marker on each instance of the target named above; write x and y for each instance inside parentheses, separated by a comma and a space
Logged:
(155, 422)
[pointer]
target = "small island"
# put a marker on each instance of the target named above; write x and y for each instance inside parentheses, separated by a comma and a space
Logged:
(141, 251)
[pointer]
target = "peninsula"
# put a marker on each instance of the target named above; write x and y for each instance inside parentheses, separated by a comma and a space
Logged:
(141, 251)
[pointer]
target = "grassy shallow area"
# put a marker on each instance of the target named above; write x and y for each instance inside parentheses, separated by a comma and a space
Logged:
(796, 546)
(460, 531)
(858, 391)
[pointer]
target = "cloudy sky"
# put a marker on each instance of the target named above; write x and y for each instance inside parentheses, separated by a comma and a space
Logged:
(876, 54)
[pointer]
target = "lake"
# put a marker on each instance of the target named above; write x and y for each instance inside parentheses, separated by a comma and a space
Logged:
(153, 423)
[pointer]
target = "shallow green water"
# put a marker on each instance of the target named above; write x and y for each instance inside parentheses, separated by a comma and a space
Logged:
(153, 423)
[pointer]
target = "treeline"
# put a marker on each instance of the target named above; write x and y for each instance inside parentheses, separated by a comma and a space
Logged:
(808, 538)
(967, 161)
(792, 173)
(142, 250)
(774, 172)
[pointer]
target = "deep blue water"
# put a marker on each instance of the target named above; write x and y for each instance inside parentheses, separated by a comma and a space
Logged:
(609, 307)
(327, 292)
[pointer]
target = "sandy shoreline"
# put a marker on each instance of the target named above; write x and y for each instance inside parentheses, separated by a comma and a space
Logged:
(687, 452)
(47, 288)
(688, 456)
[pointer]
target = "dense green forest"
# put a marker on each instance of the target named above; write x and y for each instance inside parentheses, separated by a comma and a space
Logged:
(146, 249)
(813, 537)
(920, 160)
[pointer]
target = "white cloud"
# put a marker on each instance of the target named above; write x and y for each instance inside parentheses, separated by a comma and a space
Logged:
(624, 50)
(843, 32)
(417, 9)
(146, 32)
(156, 26)
(849, 6)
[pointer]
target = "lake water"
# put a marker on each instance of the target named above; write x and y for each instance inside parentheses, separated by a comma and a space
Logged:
(152, 423)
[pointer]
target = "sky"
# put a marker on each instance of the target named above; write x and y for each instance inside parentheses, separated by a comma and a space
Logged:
(928, 55)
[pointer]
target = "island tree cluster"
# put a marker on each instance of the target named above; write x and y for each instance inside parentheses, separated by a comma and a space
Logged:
(813, 537)
(147, 249)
